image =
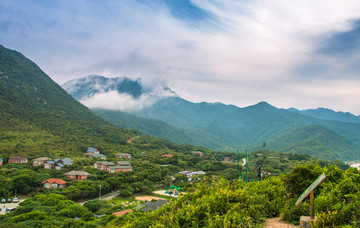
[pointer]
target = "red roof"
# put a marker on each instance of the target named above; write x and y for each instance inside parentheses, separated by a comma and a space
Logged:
(167, 155)
(120, 213)
(54, 180)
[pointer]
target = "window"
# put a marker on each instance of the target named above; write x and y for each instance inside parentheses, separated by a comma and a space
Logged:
(47, 185)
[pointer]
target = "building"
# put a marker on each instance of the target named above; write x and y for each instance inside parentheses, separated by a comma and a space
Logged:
(92, 150)
(58, 164)
(197, 153)
(77, 175)
(103, 165)
(123, 155)
(227, 159)
(54, 183)
(100, 156)
(40, 161)
(1, 161)
(167, 155)
(118, 168)
(123, 163)
(17, 159)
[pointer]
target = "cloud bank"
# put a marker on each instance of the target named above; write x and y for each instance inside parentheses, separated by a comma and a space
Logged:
(289, 53)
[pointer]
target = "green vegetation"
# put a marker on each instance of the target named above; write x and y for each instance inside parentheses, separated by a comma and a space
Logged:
(39, 119)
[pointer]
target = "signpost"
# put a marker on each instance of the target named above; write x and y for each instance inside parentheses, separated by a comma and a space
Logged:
(310, 190)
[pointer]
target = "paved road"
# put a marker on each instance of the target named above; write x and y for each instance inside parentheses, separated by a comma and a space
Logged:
(108, 196)
(7, 205)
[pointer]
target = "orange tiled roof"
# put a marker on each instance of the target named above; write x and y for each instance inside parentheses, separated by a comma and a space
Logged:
(167, 155)
(54, 180)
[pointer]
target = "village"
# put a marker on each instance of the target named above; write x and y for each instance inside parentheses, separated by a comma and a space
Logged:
(117, 164)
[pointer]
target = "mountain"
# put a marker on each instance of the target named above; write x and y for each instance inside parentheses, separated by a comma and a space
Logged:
(94, 84)
(227, 127)
(37, 117)
(328, 114)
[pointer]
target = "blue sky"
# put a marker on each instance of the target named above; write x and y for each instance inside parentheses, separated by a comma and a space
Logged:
(302, 54)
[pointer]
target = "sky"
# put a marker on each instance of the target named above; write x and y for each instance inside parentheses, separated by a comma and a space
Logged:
(303, 54)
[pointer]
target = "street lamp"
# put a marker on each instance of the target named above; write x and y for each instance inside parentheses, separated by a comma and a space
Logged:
(99, 192)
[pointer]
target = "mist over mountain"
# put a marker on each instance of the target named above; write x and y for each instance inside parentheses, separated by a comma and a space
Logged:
(228, 127)
(120, 93)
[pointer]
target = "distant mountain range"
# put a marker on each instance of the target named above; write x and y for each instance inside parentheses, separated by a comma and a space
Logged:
(321, 132)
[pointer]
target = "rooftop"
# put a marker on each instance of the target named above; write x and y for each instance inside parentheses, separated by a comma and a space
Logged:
(54, 180)
(77, 173)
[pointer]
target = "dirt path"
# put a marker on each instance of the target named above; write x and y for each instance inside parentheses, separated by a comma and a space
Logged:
(277, 223)
(147, 198)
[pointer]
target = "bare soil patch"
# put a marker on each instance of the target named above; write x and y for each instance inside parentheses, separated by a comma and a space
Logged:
(147, 198)
(277, 223)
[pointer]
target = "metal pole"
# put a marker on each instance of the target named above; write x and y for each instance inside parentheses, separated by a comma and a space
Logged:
(246, 166)
(312, 204)
(255, 166)
(238, 166)
(99, 192)
(15, 192)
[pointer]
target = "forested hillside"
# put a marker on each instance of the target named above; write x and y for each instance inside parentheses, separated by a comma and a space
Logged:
(39, 117)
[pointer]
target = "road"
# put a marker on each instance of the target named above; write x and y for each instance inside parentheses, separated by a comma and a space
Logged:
(3, 206)
(108, 196)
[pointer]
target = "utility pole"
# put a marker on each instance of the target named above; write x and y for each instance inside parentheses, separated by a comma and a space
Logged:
(246, 166)
(15, 192)
(99, 192)
(238, 166)
(255, 167)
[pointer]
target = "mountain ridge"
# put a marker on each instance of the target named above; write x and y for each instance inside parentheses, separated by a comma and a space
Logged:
(228, 127)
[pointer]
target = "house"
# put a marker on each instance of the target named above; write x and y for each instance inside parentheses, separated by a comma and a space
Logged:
(227, 159)
(101, 156)
(151, 206)
(77, 175)
(123, 163)
(54, 183)
(167, 155)
(118, 168)
(1, 161)
(103, 165)
(58, 164)
(197, 153)
(17, 159)
(123, 155)
(92, 150)
(40, 161)
(65, 161)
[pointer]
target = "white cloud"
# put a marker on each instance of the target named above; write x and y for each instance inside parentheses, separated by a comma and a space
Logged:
(114, 101)
(249, 51)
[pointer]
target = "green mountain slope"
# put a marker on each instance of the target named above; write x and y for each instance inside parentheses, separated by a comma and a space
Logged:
(246, 127)
(160, 129)
(38, 116)
(315, 139)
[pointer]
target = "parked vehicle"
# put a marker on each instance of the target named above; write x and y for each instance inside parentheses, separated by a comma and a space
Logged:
(8, 210)
(3, 200)
(15, 200)
(9, 200)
